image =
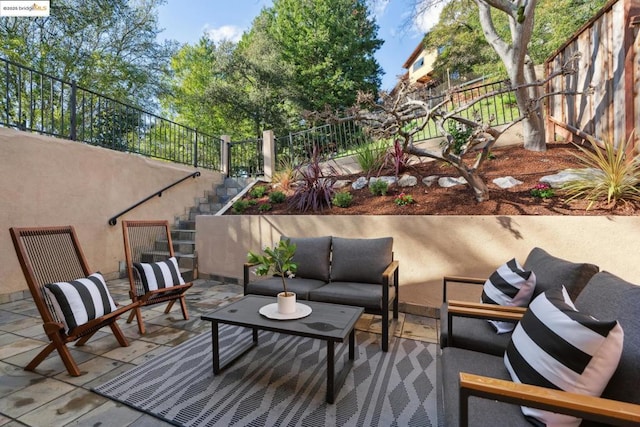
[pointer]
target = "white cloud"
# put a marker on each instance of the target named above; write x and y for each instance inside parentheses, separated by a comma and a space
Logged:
(379, 7)
(226, 32)
(428, 17)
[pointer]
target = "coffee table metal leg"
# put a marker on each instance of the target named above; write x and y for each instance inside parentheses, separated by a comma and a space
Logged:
(216, 347)
(352, 345)
(331, 367)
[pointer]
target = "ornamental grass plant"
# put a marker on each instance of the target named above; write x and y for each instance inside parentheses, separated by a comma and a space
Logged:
(611, 174)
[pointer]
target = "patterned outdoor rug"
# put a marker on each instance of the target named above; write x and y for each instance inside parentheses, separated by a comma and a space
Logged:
(282, 382)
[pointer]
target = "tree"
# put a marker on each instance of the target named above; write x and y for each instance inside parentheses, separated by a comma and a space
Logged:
(511, 43)
(329, 45)
(108, 47)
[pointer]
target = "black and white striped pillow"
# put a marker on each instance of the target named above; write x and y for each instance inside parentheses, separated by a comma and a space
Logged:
(558, 347)
(509, 285)
(159, 275)
(80, 300)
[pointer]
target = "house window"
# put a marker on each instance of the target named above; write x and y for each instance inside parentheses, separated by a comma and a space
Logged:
(419, 63)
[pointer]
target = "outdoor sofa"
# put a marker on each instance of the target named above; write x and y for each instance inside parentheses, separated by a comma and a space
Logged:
(476, 386)
(357, 272)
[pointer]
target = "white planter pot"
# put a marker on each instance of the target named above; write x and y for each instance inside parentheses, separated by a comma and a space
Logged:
(286, 304)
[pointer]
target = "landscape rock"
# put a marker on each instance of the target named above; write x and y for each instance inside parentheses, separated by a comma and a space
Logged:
(430, 180)
(360, 183)
(449, 181)
(407, 181)
(390, 180)
(506, 182)
(341, 183)
(559, 179)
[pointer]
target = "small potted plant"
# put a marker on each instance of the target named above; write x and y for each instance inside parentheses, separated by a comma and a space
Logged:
(279, 261)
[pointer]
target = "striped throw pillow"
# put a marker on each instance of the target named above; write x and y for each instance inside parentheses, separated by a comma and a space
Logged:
(81, 300)
(509, 285)
(159, 275)
(558, 347)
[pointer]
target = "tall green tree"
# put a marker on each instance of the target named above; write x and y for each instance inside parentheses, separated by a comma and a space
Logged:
(106, 46)
(330, 46)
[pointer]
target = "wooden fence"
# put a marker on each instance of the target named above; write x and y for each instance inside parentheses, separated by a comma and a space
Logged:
(609, 68)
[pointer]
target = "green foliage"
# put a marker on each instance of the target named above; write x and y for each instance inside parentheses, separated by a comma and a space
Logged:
(316, 189)
(329, 46)
(397, 158)
(370, 157)
(460, 134)
(277, 197)
(265, 207)
(240, 206)
(342, 199)
(258, 191)
(611, 174)
(403, 199)
(542, 190)
(277, 260)
(379, 187)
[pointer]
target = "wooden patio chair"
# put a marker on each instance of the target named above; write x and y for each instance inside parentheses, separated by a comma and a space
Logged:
(154, 275)
(50, 255)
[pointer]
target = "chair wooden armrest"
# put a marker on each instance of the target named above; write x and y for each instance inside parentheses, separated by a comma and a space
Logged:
(470, 308)
(246, 268)
(389, 272)
(459, 279)
(578, 405)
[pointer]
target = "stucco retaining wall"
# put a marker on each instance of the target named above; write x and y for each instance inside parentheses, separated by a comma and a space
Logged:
(48, 181)
(429, 247)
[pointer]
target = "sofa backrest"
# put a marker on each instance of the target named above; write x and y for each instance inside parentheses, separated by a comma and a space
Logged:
(312, 256)
(608, 297)
(553, 272)
(360, 260)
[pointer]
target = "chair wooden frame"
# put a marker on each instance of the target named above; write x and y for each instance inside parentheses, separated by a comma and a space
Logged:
(53, 254)
(140, 240)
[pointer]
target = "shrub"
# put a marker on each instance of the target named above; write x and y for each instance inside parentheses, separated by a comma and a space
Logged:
(316, 189)
(240, 206)
(397, 158)
(371, 157)
(403, 199)
(610, 174)
(379, 188)
(460, 134)
(258, 191)
(286, 173)
(542, 190)
(342, 199)
(277, 197)
(264, 207)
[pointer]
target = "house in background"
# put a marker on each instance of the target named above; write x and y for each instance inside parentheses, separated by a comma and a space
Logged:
(419, 65)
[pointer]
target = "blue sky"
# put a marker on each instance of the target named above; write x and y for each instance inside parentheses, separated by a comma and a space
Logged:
(187, 20)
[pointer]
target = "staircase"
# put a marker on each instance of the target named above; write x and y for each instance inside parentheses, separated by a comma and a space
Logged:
(183, 233)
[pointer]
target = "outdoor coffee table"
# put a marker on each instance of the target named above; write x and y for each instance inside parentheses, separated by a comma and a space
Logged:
(328, 322)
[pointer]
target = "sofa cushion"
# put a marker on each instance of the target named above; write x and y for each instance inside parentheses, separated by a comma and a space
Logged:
(81, 300)
(312, 256)
(483, 412)
(472, 334)
(607, 296)
(365, 295)
(509, 285)
(360, 260)
(159, 275)
(556, 346)
(553, 272)
(272, 286)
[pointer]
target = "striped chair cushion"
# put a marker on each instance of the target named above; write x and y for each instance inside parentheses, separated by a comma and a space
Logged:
(81, 300)
(159, 275)
(558, 347)
(509, 285)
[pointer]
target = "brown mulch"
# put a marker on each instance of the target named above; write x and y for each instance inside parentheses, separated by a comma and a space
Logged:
(526, 166)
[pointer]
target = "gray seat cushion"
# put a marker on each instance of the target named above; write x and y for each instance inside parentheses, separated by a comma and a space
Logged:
(552, 272)
(360, 260)
(482, 412)
(367, 295)
(272, 286)
(312, 256)
(473, 334)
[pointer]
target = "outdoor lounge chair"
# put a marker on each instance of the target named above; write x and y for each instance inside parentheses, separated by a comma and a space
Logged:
(51, 257)
(154, 275)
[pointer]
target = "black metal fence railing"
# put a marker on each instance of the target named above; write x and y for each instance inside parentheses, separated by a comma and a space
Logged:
(37, 102)
(246, 158)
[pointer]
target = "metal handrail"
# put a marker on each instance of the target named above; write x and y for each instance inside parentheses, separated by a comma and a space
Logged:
(114, 219)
